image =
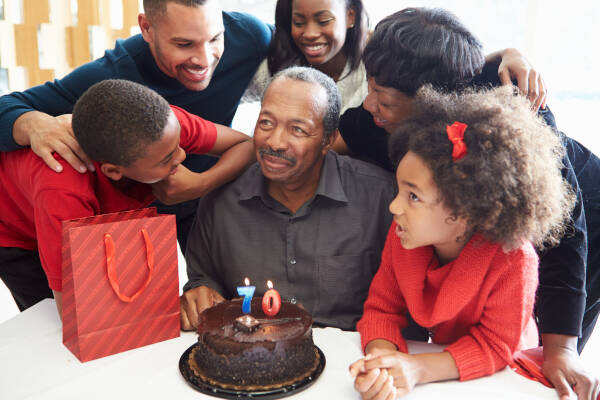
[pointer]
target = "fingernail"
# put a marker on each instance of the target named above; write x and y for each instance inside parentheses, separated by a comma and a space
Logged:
(369, 356)
(91, 167)
(58, 168)
(82, 169)
(377, 371)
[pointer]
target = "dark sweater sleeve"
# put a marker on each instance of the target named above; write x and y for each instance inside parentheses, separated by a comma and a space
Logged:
(561, 293)
(54, 98)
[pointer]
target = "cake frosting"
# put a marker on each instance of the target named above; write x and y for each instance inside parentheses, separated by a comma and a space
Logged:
(268, 353)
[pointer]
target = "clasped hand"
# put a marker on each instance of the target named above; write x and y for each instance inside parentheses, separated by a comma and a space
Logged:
(384, 375)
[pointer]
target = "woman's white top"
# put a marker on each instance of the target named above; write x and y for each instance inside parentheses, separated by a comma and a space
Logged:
(352, 85)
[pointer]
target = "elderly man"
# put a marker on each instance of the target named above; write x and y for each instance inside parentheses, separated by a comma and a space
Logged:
(306, 218)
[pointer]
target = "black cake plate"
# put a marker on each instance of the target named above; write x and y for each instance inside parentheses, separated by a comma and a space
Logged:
(202, 386)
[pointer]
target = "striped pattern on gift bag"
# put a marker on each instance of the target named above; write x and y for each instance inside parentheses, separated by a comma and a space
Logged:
(96, 323)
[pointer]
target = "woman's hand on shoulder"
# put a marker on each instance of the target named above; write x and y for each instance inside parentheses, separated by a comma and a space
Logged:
(514, 65)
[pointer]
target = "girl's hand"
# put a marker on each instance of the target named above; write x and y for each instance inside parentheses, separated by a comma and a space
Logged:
(403, 369)
(375, 384)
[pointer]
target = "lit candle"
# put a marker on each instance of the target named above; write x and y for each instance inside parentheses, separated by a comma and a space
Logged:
(246, 291)
(271, 301)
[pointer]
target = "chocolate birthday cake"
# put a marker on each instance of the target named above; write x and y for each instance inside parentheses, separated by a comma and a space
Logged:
(254, 351)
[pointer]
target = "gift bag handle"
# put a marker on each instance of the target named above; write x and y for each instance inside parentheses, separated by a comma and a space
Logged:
(112, 273)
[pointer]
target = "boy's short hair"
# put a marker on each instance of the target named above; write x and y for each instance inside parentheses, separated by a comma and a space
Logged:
(114, 120)
(418, 46)
(155, 8)
(509, 185)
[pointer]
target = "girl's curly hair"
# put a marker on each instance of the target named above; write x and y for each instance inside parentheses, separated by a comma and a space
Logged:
(509, 185)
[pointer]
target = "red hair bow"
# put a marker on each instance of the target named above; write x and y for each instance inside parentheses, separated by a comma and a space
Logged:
(456, 134)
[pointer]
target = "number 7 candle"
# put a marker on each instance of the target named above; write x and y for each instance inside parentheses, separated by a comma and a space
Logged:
(247, 291)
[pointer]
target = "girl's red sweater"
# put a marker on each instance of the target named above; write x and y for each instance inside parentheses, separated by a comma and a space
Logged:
(480, 304)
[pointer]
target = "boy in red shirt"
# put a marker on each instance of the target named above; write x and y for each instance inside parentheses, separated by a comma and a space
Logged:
(137, 142)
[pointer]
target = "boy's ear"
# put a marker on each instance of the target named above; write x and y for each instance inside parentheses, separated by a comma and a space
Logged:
(112, 171)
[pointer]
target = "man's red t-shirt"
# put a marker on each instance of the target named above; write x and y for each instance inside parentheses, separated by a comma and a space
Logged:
(34, 200)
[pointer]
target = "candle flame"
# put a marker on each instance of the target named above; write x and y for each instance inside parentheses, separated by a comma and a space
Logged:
(246, 281)
(270, 284)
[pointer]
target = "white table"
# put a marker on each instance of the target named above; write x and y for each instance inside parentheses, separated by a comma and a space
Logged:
(34, 364)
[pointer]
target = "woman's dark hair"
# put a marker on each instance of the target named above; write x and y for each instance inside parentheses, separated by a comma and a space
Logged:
(284, 53)
(509, 185)
(418, 46)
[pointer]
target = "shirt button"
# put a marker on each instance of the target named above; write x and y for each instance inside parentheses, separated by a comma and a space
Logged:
(293, 300)
(293, 261)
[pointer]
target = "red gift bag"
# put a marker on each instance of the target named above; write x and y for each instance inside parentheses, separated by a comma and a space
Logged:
(120, 282)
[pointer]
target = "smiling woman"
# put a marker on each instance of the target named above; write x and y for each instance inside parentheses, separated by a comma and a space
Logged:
(328, 35)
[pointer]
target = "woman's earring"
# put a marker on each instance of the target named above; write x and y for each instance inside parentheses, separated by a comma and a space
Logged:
(351, 26)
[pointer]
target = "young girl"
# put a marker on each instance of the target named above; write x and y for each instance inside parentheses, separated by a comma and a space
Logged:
(479, 184)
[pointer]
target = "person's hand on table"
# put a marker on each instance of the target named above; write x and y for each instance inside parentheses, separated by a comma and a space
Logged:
(562, 367)
(530, 82)
(401, 367)
(193, 302)
(374, 384)
(183, 185)
(47, 134)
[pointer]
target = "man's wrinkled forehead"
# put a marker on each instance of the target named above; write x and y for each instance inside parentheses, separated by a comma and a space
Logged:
(295, 91)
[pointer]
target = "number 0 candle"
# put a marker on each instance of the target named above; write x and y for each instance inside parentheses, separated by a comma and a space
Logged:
(247, 291)
(271, 301)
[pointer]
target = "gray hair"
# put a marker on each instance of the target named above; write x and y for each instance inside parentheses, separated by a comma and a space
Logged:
(331, 118)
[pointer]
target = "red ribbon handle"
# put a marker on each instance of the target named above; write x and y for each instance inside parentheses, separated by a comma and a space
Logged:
(111, 270)
(456, 134)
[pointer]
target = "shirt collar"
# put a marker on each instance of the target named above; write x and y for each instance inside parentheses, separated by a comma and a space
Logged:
(112, 199)
(330, 182)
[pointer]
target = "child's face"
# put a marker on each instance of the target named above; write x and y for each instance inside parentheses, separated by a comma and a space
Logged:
(421, 218)
(162, 157)
(388, 106)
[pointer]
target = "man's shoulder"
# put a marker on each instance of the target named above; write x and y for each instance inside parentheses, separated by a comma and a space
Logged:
(362, 171)
(128, 47)
(116, 63)
(242, 27)
(27, 167)
(231, 191)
